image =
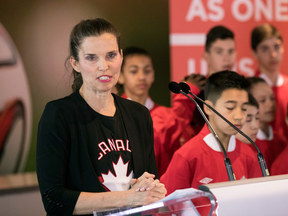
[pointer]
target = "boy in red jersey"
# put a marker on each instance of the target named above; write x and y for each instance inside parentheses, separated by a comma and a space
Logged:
(280, 164)
(170, 124)
(267, 46)
(200, 160)
(269, 141)
(220, 53)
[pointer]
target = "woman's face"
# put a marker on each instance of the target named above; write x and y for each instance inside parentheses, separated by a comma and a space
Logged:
(99, 62)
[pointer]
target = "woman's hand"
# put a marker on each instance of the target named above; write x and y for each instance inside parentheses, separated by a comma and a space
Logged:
(146, 190)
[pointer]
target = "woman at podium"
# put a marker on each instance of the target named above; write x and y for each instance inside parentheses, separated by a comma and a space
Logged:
(95, 149)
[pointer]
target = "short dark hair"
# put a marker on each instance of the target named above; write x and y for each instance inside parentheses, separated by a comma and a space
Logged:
(262, 32)
(221, 81)
(217, 32)
(84, 29)
(252, 101)
(133, 50)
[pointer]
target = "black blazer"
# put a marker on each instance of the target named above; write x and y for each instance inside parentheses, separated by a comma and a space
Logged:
(63, 163)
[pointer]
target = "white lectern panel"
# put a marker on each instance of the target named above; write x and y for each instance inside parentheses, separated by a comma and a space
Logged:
(258, 196)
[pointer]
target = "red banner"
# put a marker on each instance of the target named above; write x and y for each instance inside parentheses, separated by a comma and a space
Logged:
(190, 21)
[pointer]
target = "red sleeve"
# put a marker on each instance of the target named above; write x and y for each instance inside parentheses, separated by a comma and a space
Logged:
(178, 175)
(279, 144)
(168, 124)
(280, 165)
(254, 170)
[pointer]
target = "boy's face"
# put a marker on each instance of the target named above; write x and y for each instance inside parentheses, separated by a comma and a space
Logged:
(137, 75)
(264, 95)
(269, 54)
(251, 124)
(232, 105)
(221, 56)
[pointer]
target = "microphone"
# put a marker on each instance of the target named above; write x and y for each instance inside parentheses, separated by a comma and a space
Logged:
(175, 88)
(185, 88)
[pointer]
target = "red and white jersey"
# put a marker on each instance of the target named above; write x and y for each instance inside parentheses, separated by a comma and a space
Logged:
(280, 91)
(270, 146)
(149, 103)
(171, 125)
(200, 161)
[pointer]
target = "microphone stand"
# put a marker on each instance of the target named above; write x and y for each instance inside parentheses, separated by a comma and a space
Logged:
(175, 88)
(185, 87)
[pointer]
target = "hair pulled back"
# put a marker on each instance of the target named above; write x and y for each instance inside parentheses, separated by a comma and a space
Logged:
(84, 29)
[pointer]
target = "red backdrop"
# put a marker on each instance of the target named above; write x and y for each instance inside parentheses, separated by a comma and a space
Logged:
(190, 20)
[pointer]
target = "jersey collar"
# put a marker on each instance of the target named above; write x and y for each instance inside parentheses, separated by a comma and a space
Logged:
(149, 103)
(262, 136)
(210, 140)
(279, 81)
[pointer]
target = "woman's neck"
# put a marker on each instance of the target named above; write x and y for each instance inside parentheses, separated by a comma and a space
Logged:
(101, 102)
(265, 128)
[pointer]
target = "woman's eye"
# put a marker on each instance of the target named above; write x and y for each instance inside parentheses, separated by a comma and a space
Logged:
(112, 55)
(230, 108)
(244, 109)
(90, 58)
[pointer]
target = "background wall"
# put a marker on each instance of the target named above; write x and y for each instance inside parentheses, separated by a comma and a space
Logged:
(40, 31)
(191, 20)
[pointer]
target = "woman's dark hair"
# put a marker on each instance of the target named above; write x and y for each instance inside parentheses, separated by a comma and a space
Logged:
(263, 32)
(84, 29)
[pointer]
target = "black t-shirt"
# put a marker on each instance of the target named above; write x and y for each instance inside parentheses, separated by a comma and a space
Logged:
(113, 162)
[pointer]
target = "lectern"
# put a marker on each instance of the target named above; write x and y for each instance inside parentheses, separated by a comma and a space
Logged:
(187, 202)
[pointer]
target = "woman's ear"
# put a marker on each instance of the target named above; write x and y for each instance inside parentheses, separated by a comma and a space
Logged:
(74, 64)
(207, 110)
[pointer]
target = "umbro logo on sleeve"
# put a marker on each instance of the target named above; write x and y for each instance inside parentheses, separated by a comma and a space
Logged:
(206, 180)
